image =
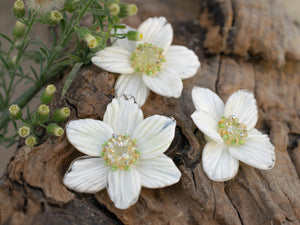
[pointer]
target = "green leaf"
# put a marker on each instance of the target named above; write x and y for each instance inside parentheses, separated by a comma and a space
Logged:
(7, 38)
(70, 78)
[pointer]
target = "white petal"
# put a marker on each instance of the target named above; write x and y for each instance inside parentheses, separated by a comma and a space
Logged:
(166, 83)
(217, 163)
(242, 104)
(157, 32)
(207, 101)
(154, 135)
(158, 172)
(123, 115)
(182, 60)
(257, 151)
(124, 187)
(114, 59)
(207, 124)
(86, 174)
(124, 43)
(132, 84)
(88, 135)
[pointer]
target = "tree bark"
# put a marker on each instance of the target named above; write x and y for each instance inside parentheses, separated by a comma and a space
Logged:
(242, 44)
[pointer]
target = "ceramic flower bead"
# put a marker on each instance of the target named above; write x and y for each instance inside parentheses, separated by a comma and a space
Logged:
(231, 133)
(152, 63)
(124, 152)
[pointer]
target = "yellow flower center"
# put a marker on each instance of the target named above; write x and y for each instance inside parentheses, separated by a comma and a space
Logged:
(120, 152)
(232, 132)
(147, 59)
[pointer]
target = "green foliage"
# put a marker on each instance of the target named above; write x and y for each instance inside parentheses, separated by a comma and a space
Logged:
(68, 49)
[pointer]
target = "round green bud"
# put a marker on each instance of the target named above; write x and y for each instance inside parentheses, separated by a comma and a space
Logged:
(70, 5)
(31, 141)
(18, 30)
(15, 112)
(47, 94)
(134, 36)
(114, 8)
(61, 115)
(127, 10)
(53, 17)
(24, 131)
(18, 9)
(41, 114)
(55, 130)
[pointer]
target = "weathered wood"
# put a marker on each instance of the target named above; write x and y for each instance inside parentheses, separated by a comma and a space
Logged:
(32, 192)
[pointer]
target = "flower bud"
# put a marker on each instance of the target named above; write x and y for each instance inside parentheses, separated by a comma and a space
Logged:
(12, 62)
(18, 30)
(70, 5)
(61, 115)
(24, 131)
(47, 94)
(55, 130)
(31, 141)
(114, 8)
(15, 112)
(53, 17)
(127, 10)
(18, 9)
(134, 36)
(41, 114)
(87, 35)
(91, 41)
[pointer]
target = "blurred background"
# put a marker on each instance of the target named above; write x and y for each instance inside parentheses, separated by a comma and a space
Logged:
(7, 21)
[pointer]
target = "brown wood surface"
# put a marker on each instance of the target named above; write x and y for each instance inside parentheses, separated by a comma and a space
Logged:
(242, 44)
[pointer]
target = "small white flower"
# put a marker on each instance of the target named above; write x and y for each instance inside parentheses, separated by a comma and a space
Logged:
(125, 152)
(231, 133)
(150, 63)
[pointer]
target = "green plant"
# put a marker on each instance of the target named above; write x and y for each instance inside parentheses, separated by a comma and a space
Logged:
(72, 45)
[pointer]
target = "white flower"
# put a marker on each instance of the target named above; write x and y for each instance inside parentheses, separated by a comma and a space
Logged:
(150, 63)
(44, 6)
(125, 152)
(231, 133)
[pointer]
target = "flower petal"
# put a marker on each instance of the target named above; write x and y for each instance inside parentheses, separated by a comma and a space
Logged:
(208, 101)
(207, 124)
(124, 187)
(158, 172)
(86, 174)
(166, 83)
(88, 135)
(182, 60)
(157, 31)
(154, 135)
(132, 84)
(114, 59)
(123, 115)
(257, 151)
(217, 163)
(124, 43)
(242, 104)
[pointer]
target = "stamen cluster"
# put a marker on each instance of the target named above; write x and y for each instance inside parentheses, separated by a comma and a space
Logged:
(232, 132)
(147, 59)
(120, 152)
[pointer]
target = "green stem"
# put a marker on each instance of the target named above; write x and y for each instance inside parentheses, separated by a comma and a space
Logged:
(20, 51)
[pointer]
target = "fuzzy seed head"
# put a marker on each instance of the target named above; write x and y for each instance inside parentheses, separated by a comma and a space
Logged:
(44, 6)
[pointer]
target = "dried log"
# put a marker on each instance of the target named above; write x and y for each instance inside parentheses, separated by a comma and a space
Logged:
(32, 192)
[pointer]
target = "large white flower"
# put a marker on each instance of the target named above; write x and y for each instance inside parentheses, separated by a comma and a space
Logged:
(231, 133)
(149, 64)
(125, 152)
